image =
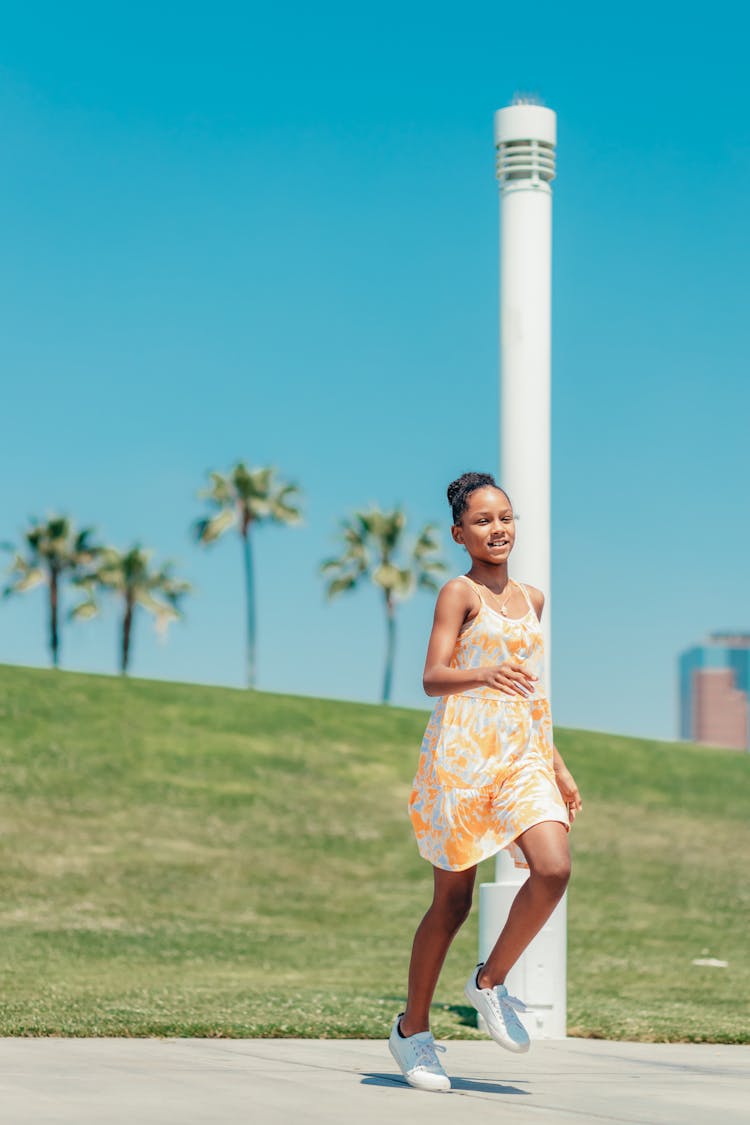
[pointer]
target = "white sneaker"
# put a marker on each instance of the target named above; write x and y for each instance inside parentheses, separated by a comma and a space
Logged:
(416, 1058)
(498, 1010)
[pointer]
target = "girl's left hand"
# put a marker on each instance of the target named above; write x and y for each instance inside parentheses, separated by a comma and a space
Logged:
(569, 791)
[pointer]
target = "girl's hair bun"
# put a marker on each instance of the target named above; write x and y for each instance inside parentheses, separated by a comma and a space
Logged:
(454, 488)
(460, 489)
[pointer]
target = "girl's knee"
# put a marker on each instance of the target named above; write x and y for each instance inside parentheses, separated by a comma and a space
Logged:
(553, 871)
(455, 906)
(452, 896)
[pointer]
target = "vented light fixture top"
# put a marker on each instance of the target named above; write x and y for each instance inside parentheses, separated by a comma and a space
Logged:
(525, 138)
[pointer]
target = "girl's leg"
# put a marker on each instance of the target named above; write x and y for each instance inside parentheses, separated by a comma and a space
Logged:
(545, 847)
(450, 907)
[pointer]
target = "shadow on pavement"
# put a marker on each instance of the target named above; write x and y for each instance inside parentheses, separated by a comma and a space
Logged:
(475, 1086)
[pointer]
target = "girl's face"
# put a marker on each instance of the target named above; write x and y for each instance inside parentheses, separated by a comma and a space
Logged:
(487, 529)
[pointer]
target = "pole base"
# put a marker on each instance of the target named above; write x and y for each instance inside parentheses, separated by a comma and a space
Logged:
(539, 976)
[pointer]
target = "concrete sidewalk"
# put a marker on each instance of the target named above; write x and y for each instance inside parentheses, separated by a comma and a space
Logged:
(290, 1081)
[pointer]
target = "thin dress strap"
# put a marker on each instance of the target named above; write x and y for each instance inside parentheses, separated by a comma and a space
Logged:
(473, 585)
(525, 593)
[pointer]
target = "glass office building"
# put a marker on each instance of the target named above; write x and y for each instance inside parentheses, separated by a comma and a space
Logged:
(715, 691)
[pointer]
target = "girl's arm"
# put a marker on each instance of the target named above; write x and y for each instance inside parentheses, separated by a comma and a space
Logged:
(454, 602)
(566, 784)
(564, 778)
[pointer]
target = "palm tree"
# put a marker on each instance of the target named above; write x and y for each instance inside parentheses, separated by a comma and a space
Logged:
(373, 542)
(240, 499)
(55, 552)
(129, 574)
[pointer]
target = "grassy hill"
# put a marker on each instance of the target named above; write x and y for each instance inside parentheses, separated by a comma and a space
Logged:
(183, 860)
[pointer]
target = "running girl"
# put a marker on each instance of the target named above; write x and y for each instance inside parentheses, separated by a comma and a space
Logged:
(489, 776)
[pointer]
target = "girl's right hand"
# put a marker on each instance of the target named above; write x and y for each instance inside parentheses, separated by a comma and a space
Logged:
(510, 679)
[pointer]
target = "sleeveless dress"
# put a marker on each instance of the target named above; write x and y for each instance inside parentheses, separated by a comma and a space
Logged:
(485, 771)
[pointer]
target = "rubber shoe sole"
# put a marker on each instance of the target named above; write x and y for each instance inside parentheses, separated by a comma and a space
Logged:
(409, 1055)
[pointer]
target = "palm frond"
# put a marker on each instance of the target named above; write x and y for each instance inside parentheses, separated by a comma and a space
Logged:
(219, 492)
(163, 613)
(330, 566)
(338, 585)
(28, 579)
(373, 544)
(210, 529)
(131, 576)
(25, 575)
(84, 611)
(432, 566)
(252, 496)
(426, 582)
(284, 507)
(55, 543)
(427, 541)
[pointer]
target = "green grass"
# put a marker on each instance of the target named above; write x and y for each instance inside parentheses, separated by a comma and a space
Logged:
(184, 860)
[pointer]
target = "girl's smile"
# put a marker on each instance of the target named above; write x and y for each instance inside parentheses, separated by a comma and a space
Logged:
(487, 528)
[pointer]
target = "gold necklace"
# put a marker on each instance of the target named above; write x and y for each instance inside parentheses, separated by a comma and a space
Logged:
(507, 591)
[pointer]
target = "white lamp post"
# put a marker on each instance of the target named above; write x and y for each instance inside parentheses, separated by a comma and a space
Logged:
(525, 138)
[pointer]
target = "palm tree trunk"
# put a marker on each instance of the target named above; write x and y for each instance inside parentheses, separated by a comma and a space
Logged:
(127, 632)
(250, 603)
(390, 648)
(54, 637)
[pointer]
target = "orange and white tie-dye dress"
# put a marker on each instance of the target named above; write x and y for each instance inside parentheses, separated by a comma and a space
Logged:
(485, 771)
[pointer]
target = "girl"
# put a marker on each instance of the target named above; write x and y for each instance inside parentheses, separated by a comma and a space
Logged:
(489, 776)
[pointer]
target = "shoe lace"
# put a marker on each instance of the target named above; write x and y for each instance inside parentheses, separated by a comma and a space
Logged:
(513, 1002)
(507, 1006)
(426, 1053)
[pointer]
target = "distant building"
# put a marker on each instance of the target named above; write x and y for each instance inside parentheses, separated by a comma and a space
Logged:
(715, 692)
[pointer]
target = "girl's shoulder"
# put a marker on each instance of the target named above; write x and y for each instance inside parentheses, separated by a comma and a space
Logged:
(458, 589)
(457, 602)
(458, 584)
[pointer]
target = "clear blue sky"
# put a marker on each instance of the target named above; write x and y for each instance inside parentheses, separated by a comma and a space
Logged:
(270, 233)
